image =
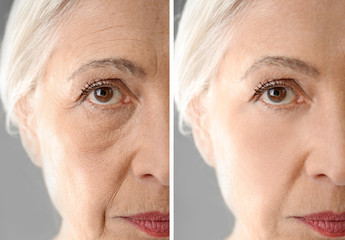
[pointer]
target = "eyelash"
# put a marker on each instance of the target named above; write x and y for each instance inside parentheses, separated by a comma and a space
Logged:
(259, 90)
(96, 84)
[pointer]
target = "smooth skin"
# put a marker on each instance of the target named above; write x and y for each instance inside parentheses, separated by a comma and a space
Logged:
(105, 156)
(279, 160)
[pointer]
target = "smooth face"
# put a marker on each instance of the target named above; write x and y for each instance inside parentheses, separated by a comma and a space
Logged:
(276, 118)
(101, 117)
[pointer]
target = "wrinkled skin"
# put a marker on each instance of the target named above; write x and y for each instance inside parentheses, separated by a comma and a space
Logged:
(105, 161)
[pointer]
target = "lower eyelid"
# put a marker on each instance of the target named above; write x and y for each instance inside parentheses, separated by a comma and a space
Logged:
(286, 107)
(115, 106)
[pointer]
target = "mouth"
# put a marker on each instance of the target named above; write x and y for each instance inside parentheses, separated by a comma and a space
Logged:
(155, 224)
(328, 224)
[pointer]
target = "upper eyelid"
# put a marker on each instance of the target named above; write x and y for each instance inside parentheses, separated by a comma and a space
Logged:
(271, 83)
(263, 86)
(93, 85)
(100, 83)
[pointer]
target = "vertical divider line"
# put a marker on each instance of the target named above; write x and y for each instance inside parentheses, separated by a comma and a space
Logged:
(171, 116)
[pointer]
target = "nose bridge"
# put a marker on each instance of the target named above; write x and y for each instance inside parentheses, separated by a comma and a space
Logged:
(335, 124)
(332, 140)
(157, 118)
(153, 158)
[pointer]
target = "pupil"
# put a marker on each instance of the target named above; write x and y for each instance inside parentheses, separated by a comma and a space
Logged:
(277, 94)
(103, 92)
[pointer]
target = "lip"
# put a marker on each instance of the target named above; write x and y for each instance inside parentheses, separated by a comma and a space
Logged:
(328, 224)
(155, 224)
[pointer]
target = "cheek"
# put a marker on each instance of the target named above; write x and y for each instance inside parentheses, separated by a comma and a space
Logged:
(258, 152)
(85, 159)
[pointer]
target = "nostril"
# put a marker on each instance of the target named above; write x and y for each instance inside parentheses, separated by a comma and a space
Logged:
(161, 179)
(326, 166)
(151, 167)
(321, 176)
(333, 179)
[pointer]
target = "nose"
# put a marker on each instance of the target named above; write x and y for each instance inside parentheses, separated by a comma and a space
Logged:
(327, 160)
(152, 160)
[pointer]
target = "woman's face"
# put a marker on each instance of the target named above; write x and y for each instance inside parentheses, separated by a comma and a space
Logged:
(101, 118)
(276, 120)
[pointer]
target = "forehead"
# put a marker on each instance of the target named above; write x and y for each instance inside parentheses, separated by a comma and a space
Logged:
(303, 29)
(96, 29)
(138, 16)
(286, 17)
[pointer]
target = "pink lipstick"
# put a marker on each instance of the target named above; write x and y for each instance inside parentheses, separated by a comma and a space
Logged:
(155, 224)
(328, 224)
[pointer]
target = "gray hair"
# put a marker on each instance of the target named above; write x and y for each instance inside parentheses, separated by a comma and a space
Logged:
(203, 37)
(30, 36)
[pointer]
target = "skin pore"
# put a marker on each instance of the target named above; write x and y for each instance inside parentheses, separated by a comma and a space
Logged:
(274, 119)
(99, 120)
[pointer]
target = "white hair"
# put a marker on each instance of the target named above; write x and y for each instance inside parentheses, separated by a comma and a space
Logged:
(202, 39)
(29, 39)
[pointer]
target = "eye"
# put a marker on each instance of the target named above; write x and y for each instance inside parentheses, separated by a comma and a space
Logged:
(106, 92)
(280, 93)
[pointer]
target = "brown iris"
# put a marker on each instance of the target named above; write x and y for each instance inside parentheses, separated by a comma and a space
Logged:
(103, 94)
(276, 94)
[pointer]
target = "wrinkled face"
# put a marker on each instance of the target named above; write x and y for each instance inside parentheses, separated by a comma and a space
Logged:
(102, 121)
(276, 119)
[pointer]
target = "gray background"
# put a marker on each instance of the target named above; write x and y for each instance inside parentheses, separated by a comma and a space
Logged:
(25, 209)
(200, 212)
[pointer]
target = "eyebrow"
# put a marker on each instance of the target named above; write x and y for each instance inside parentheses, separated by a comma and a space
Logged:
(282, 61)
(121, 64)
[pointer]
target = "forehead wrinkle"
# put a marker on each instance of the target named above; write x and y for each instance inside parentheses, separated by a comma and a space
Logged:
(87, 45)
(133, 29)
(88, 34)
(122, 64)
(283, 61)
